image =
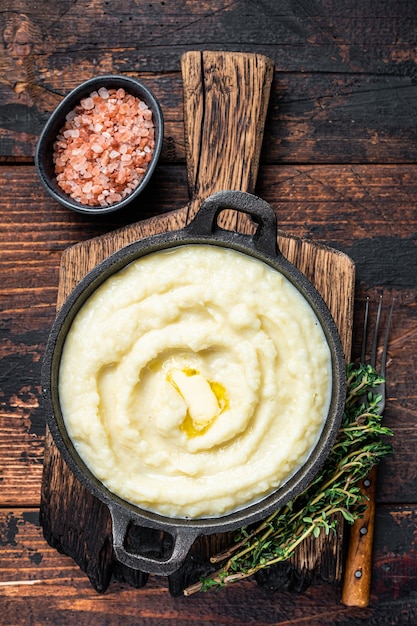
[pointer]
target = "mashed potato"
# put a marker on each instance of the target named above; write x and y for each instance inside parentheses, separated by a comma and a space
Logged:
(195, 381)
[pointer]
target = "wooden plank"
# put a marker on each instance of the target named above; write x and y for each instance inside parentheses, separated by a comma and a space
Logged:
(314, 118)
(336, 85)
(338, 205)
(39, 585)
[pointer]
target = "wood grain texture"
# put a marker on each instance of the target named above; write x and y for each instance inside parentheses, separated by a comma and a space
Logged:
(342, 77)
(225, 104)
(338, 164)
(48, 587)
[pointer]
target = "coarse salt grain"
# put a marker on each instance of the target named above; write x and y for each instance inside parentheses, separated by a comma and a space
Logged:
(103, 93)
(98, 167)
(88, 103)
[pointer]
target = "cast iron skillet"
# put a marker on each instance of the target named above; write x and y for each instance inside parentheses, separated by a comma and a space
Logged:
(203, 229)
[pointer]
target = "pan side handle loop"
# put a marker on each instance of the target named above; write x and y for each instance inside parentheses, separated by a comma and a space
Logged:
(183, 539)
(205, 222)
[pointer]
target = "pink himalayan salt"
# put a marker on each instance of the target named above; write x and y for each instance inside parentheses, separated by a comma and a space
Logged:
(102, 152)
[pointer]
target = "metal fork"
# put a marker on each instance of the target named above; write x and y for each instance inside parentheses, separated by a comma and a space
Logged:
(358, 565)
(381, 388)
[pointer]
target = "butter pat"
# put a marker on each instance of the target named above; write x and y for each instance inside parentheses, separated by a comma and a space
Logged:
(197, 394)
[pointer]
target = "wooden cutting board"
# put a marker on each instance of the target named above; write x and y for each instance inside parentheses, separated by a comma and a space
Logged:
(226, 99)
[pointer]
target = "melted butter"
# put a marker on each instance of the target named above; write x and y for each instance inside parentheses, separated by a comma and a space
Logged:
(205, 400)
(221, 395)
(155, 365)
(190, 429)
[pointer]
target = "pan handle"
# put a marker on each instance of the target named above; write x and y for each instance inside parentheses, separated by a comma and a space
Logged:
(183, 539)
(205, 223)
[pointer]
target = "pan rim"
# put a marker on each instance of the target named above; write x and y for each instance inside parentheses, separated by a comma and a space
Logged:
(251, 512)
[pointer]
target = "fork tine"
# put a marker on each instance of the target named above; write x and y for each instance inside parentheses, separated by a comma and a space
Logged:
(375, 339)
(385, 348)
(365, 331)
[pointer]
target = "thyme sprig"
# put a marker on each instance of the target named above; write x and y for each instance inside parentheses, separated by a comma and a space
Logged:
(360, 445)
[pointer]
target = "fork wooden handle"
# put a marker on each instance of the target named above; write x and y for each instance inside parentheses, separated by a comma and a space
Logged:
(358, 567)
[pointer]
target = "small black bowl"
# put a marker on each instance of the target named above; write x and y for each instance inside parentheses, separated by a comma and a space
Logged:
(44, 148)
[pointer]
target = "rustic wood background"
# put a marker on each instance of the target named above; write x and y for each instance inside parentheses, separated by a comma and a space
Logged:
(339, 165)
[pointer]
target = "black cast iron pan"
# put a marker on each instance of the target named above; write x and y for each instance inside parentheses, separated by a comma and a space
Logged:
(203, 229)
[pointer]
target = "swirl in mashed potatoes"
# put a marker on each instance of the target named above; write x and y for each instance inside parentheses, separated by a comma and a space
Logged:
(195, 381)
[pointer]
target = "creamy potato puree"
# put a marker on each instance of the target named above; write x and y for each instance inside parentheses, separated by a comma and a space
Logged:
(195, 381)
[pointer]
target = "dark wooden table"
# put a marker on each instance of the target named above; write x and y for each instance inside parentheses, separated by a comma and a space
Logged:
(339, 166)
